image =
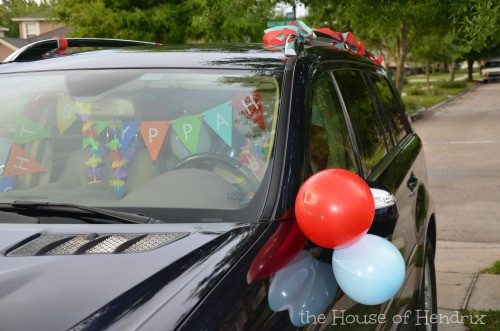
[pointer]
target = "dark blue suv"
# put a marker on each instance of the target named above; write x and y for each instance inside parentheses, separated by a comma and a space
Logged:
(153, 187)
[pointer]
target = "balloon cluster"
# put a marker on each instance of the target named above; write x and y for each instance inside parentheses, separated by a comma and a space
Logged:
(335, 209)
(276, 38)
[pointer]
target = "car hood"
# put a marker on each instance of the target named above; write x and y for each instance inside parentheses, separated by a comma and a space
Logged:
(115, 291)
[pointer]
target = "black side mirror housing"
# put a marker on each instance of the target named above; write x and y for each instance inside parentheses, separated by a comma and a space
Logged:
(386, 211)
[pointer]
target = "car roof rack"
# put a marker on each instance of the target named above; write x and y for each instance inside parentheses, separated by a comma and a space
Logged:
(58, 45)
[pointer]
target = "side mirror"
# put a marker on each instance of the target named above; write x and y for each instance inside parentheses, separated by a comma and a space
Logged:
(386, 211)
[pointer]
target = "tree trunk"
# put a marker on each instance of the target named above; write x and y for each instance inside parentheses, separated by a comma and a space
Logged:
(452, 70)
(470, 63)
(427, 72)
(402, 47)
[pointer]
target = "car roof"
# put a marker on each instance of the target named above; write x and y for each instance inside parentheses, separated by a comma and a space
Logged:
(494, 59)
(207, 56)
(225, 56)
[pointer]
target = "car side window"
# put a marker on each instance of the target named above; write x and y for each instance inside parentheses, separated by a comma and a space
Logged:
(330, 144)
(366, 121)
(391, 107)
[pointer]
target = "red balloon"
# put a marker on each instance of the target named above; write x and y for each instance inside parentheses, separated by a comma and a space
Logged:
(334, 208)
(283, 246)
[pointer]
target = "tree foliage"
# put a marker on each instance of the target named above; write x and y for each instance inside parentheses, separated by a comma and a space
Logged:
(10, 9)
(172, 21)
(477, 22)
(393, 26)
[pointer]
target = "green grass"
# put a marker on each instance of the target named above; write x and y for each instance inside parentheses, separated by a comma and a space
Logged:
(494, 269)
(418, 95)
(415, 102)
(474, 320)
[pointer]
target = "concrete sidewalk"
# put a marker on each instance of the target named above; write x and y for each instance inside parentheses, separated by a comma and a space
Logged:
(459, 284)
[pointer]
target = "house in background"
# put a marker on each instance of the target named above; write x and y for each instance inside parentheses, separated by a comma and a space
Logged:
(32, 27)
(3, 29)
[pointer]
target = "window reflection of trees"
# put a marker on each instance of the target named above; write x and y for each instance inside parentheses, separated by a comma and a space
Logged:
(363, 116)
(390, 106)
(330, 142)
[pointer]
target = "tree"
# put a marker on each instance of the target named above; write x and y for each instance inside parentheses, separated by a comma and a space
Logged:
(477, 23)
(15, 8)
(173, 21)
(392, 25)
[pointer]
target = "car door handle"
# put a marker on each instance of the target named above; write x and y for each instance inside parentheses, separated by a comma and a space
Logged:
(412, 182)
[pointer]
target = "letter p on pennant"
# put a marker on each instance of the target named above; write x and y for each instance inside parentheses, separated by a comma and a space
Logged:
(153, 133)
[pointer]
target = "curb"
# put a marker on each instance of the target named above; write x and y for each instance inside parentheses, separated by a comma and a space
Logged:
(426, 112)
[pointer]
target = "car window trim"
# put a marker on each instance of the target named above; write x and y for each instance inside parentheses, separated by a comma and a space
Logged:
(382, 108)
(401, 108)
(352, 135)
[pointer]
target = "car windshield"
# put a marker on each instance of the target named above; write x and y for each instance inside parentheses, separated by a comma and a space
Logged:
(197, 142)
(492, 64)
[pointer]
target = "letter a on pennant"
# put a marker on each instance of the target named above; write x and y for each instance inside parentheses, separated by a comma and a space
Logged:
(21, 163)
(153, 133)
(250, 105)
(27, 131)
(220, 119)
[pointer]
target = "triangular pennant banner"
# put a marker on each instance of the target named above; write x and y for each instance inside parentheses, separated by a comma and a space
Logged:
(27, 131)
(7, 184)
(100, 126)
(250, 105)
(127, 133)
(153, 133)
(220, 119)
(21, 163)
(65, 113)
(188, 131)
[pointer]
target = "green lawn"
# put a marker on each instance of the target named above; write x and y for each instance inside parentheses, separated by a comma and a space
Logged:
(494, 269)
(476, 322)
(417, 95)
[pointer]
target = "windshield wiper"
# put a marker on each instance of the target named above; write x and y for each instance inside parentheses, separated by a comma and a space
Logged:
(36, 208)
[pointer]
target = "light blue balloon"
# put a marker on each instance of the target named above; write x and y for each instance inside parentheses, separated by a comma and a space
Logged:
(371, 271)
(305, 287)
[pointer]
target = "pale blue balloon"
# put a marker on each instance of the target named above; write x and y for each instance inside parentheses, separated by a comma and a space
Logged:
(305, 287)
(371, 271)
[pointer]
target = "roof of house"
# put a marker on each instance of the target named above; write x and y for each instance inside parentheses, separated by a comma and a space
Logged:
(31, 17)
(60, 32)
(16, 42)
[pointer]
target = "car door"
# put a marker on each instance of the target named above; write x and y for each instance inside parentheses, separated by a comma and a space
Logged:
(332, 144)
(349, 130)
(396, 168)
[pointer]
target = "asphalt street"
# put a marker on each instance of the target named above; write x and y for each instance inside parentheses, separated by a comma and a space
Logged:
(462, 146)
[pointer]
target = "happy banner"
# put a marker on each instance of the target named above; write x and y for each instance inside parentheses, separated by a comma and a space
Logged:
(65, 113)
(251, 107)
(187, 129)
(28, 131)
(153, 133)
(127, 133)
(7, 184)
(220, 119)
(21, 163)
